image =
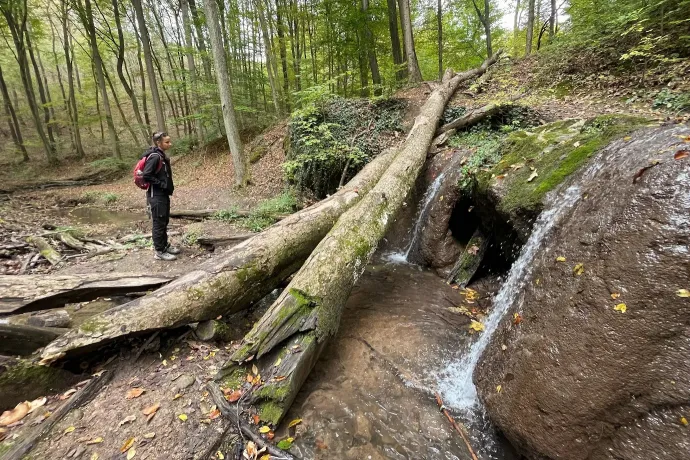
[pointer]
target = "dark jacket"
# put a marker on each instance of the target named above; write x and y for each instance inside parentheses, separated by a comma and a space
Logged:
(161, 181)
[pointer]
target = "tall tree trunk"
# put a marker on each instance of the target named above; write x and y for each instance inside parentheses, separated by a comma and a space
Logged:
(120, 73)
(74, 112)
(87, 19)
(150, 71)
(530, 27)
(439, 18)
(65, 100)
(16, 17)
(41, 91)
(123, 117)
(415, 75)
(280, 26)
(371, 50)
(307, 314)
(395, 38)
(402, 29)
(552, 21)
(142, 75)
(201, 42)
(12, 119)
(485, 19)
(189, 47)
(270, 58)
(516, 29)
(234, 141)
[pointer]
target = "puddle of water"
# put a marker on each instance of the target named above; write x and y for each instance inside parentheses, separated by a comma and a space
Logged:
(96, 216)
(371, 396)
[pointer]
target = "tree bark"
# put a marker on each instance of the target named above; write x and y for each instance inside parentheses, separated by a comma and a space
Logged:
(552, 20)
(474, 116)
(148, 59)
(307, 314)
(42, 88)
(485, 19)
(234, 142)
(371, 51)
(516, 28)
(415, 75)
(23, 340)
(470, 260)
(395, 38)
(15, 129)
(439, 20)
(45, 249)
(530, 27)
(245, 274)
(270, 58)
(23, 294)
(191, 66)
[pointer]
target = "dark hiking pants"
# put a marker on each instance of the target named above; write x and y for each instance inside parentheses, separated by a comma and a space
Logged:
(160, 215)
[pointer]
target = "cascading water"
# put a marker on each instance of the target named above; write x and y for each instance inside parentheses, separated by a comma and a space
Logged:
(455, 382)
(431, 192)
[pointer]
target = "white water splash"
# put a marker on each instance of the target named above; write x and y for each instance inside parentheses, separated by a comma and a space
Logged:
(455, 382)
(431, 192)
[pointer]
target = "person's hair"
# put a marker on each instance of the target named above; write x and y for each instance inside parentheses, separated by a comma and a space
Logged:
(157, 136)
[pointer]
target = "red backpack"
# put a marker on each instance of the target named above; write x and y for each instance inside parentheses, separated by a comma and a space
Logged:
(139, 172)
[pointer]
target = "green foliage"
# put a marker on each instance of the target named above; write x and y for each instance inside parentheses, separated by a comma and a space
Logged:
(99, 196)
(332, 132)
(285, 203)
(676, 102)
(111, 164)
(226, 214)
(192, 234)
(265, 214)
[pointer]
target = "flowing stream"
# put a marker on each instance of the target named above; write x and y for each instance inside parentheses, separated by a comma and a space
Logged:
(455, 383)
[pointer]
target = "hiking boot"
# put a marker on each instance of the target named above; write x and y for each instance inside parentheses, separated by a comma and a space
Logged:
(164, 256)
(172, 250)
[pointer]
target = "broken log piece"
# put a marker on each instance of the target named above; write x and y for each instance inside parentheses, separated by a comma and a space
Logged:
(224, 240)
(213, 330)
(231, 413)
(27, 293)
(30, 437)
(307, 313)
(243, 275)
(25, 380)
(22, 340)
(54, 318)
(475, 116)
(45, 249)
(71, 242)
(470, 260)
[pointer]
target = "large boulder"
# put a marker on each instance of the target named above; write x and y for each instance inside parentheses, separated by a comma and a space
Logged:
(599, 366)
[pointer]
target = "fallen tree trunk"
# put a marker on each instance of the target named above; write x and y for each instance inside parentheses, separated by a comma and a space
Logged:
(214, 241)
(195, 214)
(45, 249)
(23, 340)
(241, 276)
(470, 260)
(27, 293)
(294, 330)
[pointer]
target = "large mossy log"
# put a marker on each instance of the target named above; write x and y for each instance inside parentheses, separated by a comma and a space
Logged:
(27, 293)
(290, 336)
(229, 283)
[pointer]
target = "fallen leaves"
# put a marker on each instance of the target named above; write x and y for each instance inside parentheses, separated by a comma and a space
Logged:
(69, 429)
(67, 394)
(295, 422)
(579, 269)
(36, 403)
(560, 259)
(134, 393)
(251, 452)
(233, 396)
(151, 409)
(615, 295)
(683, 293)
(150, 435)
(94, 441)
(680, 154)
(131, 453)
(128, 419)
(285, 444)
(621, 307)
(264, 429)
(476, 326)
(684, 421)
(12, 416)
(517, 319)
(182, 417)
(639, 173)
(473, 250)
(532, 176)
(499, 388)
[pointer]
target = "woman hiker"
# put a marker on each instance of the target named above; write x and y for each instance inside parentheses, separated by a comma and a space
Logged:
(158, 174)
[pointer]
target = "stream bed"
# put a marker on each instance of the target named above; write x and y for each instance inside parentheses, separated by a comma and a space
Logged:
(371, 396)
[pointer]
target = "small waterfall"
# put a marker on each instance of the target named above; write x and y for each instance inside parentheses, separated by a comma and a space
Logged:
(431, 192)
(455, 382)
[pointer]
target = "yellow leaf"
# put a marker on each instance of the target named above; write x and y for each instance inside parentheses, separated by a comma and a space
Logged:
(94, 456)
(165, 362)
(498, 389)
(69, 429)
(684, 421)
(627, 138)
(579, 269)
(295, 422)
(621, 307)
(150, 435)
(277, 363)
(177, 396)
(255, 370)
(683, 293)
(220, 455)
(128, 443)
(265, 457)
(131, 453)
(182, 417)
(134, 393)
(615, 295)
(476, 326)
(560, 259)
(264, 429)
(95, 441)
(290, 439)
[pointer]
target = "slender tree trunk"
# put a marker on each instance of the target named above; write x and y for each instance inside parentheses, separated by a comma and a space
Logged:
(120, 73)
(65, 101)
(415, 75)
(41, 91)
(189, 46)
(403, 26)
(485, 19)
(150, 71)
(144, 104)
(12, 119)
(16, 18)
(439, 18)
(234, 141)
(87, 19)
(201, 42)
(70, 82)
(123, 117)
(371, 50)
(270, 58)
(552, 21)
(516, 29)
(530, 27)
(280, 26)
(395, 38)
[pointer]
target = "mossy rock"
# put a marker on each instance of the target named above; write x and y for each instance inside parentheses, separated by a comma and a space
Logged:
(24, 380)
(536, 161)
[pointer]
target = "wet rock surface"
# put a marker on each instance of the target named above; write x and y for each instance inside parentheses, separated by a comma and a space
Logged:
(598, 368)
